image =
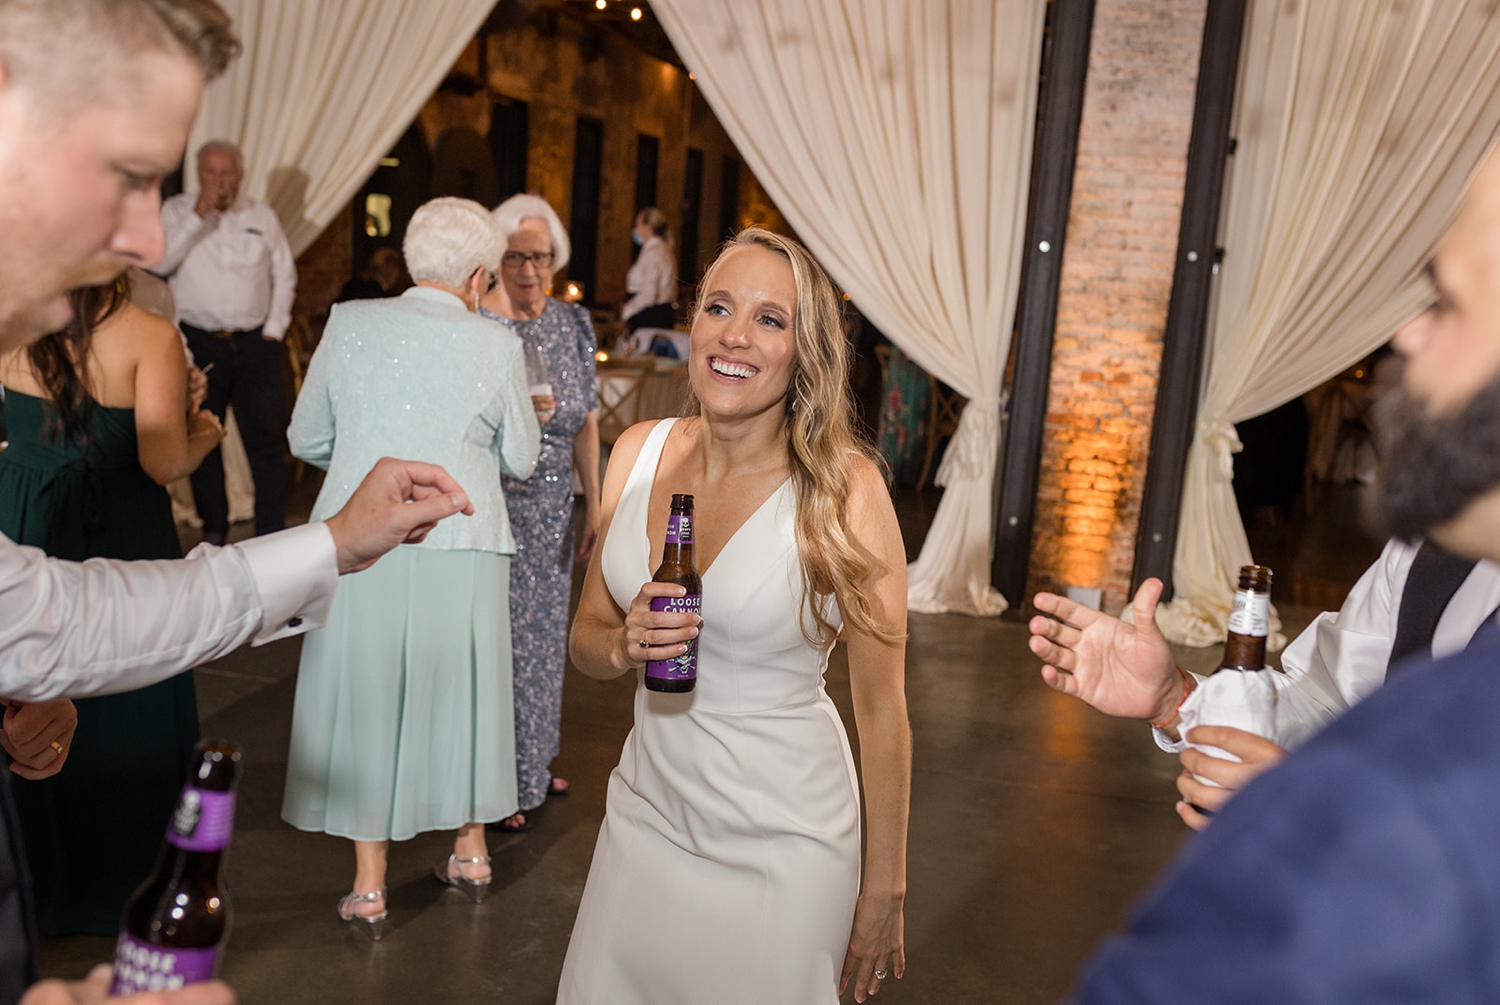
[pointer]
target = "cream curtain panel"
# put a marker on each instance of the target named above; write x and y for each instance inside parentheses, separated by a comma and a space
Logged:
(1359, 123)
(323, 90)
(896, 135)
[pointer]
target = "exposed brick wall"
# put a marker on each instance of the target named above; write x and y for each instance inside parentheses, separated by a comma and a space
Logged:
(1116, 281)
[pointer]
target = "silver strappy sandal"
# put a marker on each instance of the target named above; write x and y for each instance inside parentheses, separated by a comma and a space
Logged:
(372, 925)
(450, 873)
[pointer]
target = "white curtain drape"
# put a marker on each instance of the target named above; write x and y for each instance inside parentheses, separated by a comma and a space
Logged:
(896, 135)
(323, 90)
(1359, 124)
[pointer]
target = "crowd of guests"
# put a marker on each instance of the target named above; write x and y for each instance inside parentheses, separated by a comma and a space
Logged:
(1360, 869)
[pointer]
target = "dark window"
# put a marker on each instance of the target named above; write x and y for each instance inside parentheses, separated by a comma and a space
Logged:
(401, 182)
(692, 208)
(509, 140)
(583, 223)
(647, 153)
(729, 198)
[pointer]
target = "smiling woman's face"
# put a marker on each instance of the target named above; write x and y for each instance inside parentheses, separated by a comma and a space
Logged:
(744, 334)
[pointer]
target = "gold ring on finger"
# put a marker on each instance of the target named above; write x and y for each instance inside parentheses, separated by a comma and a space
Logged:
(57, 746)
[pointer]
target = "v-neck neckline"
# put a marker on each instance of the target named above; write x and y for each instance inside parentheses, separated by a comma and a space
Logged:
(646, 520)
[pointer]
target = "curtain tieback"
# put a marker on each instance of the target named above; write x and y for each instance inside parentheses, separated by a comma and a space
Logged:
(1222, 442)
(971, 453)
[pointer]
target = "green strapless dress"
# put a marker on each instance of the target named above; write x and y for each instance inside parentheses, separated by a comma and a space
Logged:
(92, 831)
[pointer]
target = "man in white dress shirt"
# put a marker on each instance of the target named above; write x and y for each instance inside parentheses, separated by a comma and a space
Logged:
(96, 98)
(1416, 601)
(234, 280)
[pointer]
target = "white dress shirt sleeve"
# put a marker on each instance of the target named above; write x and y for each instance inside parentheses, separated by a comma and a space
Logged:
(75, 629)
(183, 228)
(283, 278)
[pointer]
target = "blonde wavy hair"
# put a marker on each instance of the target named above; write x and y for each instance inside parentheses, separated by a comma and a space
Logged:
(822, 443)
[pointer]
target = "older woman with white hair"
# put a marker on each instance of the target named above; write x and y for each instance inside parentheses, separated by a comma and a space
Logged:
(402, 721)
(541, 509)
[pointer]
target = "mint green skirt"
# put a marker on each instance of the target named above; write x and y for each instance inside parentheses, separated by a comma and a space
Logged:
(404, 715)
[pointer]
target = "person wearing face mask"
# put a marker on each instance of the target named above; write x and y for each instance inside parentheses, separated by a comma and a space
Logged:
(402, 722)
(652, 280)
(728, 864)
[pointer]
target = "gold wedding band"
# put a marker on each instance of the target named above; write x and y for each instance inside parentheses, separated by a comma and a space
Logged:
(57, 746)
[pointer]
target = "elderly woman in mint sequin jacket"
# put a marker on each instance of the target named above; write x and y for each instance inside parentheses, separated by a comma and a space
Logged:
(403, 717)
(541, 577)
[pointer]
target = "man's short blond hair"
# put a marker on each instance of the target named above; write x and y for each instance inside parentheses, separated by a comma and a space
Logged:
(70, 53)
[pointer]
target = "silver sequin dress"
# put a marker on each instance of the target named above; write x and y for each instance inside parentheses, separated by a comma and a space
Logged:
(541, 517)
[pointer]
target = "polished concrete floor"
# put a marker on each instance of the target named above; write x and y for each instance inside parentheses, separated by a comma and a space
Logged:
(1035, 823)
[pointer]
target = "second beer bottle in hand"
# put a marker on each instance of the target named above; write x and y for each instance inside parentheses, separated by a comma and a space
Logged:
(681, 672)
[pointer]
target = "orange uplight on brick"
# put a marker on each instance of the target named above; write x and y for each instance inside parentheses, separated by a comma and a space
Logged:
(1112, 302)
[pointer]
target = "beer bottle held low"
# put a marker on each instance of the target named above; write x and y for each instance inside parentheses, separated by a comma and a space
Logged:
(178, 920)
(1249, 621)
(681, 672)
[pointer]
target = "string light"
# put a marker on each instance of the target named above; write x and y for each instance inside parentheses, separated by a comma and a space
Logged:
(635, 13)
(601, 4)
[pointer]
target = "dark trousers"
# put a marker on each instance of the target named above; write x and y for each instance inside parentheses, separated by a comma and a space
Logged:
(655, 316)
(247, 373)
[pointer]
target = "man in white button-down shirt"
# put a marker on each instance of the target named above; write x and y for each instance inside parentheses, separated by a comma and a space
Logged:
(95, 104)
(234, 280)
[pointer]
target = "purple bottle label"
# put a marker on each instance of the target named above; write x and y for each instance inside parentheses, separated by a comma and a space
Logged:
(679, 529)
(203, 820)
(140, 966)
(684, 667)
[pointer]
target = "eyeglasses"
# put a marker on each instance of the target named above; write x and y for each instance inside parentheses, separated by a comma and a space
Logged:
(518, 259)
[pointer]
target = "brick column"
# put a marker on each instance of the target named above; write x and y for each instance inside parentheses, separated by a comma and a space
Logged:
(1116, 281)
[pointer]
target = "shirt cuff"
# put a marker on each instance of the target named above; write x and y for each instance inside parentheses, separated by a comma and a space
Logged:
(278, 336)
(1166, 743)
(295, 573)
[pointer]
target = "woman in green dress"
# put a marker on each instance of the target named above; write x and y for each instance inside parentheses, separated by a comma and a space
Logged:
(98, 420)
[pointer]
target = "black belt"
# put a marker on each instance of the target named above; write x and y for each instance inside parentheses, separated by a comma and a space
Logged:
(223, 332)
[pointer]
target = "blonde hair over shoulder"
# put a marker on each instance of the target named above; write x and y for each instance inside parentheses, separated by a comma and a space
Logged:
(823, 445)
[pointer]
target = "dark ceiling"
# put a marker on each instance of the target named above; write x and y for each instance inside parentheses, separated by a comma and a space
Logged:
(645, 34)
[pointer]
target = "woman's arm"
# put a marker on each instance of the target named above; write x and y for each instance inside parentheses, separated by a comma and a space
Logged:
(171, 442)
(313, 429)
(877, 676)
(586, 460)
(606, 641)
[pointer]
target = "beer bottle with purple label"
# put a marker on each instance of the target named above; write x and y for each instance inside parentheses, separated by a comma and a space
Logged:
(178, 920)
(1249, 621)
(679, 673)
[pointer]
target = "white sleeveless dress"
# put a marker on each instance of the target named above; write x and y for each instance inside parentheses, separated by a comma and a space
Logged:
(728, 864)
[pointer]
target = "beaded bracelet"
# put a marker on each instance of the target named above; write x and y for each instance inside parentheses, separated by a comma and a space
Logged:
(1187, 689)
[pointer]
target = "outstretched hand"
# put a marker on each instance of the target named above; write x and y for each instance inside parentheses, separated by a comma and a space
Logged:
(1120, 669)
(399, 502)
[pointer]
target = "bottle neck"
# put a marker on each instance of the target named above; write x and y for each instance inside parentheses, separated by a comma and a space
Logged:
(679, 544)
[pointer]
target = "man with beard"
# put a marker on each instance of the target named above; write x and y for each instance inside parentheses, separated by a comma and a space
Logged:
(96, 97)
(1366, 867)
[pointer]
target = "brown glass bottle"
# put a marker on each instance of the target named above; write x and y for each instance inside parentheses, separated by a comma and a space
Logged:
(681, 672)
(1249, 621)
(178, 920)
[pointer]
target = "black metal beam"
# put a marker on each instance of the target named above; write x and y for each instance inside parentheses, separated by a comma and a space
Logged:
(1185, 339)
(1065, 67)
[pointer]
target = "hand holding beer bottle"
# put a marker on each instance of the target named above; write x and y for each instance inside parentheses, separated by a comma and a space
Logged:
(661, 627)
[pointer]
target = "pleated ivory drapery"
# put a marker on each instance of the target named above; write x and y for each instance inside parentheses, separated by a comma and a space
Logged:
(896, 136)
(1359, 124)
(323, 90)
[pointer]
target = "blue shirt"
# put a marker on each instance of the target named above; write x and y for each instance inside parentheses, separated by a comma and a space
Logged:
(1365, 869)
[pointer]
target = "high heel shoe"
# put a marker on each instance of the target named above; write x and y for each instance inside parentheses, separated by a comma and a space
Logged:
(372, 925)
(450, 873)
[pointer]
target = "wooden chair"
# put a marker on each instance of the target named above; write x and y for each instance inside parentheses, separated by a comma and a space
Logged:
(619, 414)
(946, 405)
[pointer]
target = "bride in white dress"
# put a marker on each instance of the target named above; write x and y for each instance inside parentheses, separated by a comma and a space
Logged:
(728, 864)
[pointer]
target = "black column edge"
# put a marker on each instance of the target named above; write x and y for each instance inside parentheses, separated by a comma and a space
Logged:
(1055, 154)
(1185, 338)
